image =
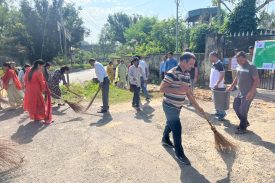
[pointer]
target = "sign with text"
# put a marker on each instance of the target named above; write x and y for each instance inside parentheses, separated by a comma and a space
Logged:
(264, 55)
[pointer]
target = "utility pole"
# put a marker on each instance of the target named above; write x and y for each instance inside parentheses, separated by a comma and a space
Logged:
(177, 26)
(219, 13)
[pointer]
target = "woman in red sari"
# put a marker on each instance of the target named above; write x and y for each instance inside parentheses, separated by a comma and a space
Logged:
(12, 85)
(37, 99)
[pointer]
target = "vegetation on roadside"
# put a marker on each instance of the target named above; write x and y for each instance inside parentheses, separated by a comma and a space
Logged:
(88, 90)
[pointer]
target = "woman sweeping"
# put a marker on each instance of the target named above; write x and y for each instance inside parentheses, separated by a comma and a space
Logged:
(12, 85)
(37, 99)
(54, 81)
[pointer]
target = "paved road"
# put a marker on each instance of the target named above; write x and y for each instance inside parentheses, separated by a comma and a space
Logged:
(82, 76)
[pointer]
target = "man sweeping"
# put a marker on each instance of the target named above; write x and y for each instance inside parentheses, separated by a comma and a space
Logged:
(247, 80)
(176, 86)
(104, 83)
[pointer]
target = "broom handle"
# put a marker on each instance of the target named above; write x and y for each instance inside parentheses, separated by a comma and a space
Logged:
(74, 93)
(196, 105)
(93, 99)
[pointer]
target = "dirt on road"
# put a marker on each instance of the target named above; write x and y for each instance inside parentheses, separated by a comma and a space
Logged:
(124, 146)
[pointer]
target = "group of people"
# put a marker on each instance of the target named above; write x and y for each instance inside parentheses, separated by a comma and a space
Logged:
(177, 84)
(176, 87)
(33, 88)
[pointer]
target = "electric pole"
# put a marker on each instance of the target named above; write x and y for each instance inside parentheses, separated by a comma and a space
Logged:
(177, 26)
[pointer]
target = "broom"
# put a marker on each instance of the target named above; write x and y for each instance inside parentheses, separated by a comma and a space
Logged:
(221, 143)
(9, 156)
(80, 96)
(93, 99)
(75, 107)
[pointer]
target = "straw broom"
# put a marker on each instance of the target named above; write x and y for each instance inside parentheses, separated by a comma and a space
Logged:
(9, 156)
(75, 107)
(93, 99)
(221, 143)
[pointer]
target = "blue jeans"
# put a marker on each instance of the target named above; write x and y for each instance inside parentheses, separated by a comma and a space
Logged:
(144, 88)
(173, 125)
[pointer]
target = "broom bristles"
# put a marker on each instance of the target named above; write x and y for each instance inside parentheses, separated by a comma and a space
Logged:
(222, 143)
(9, 156)
(75, 107)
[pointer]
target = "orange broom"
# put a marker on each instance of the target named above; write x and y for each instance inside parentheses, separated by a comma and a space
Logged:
(9, 155)
(221, 143)
(75, 107)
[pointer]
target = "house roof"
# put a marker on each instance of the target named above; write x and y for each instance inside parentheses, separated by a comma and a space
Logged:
(194, 15)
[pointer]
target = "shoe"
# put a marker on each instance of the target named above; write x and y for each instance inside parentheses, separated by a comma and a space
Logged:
(102, 111)
(148, 99)
(134, 106)
(241, 131)
(248, 124)
(138, 109)
(167, 143)
(189, 105)
(183, 159)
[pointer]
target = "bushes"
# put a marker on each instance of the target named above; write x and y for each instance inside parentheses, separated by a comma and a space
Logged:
(81, 66)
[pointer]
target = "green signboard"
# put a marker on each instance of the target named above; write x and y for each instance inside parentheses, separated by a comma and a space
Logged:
(264, 55)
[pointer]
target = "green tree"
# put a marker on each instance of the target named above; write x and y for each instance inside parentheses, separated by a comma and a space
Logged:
(197, 37)
(243, 17)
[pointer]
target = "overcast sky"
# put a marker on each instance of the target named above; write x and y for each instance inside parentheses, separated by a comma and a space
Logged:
(95, 12)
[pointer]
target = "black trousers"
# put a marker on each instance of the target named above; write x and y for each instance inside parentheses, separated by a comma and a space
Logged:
(136, 97)
(105, 93)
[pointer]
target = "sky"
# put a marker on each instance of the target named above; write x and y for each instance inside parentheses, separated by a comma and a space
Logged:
(95, 12)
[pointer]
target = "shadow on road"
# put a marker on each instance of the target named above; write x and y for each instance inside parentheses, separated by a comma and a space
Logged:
(9, 114)
(106, 118)
(250, 137)
(77, 119)
(229, 159)
(25, 133)
(146, 114)
(188, 173)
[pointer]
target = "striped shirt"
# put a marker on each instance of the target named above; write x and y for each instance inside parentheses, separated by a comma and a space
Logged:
(176, 78)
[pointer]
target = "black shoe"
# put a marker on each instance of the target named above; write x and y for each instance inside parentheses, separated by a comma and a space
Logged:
(183, 159)
(241, 131)
(134, 106)
(102, 111)
(167, 143)
(138, 109)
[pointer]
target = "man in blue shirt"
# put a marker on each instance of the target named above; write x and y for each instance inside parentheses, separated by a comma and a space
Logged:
(162, 66)
(171, 62)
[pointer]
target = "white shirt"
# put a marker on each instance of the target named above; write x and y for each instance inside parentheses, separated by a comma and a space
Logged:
(21, 76)
(234, 63)
(100, 72)
(144, 68)
(134, 75)
(216, 70)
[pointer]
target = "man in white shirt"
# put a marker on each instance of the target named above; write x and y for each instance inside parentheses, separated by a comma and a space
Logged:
(134, 75)
(144, 78)
(217, 79)
(104, 83)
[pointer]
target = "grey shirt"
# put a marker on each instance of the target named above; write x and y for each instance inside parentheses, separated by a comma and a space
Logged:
(245, 76)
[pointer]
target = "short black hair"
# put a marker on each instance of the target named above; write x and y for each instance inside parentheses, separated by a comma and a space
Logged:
(187, 56)
(6, 64)
(48, 64)
(251, 47)
(214, 53)
(91, 60)
(27, 65)
(135, 59)
(63, 69)
(187, 50)
(171, 53)
(241, 54)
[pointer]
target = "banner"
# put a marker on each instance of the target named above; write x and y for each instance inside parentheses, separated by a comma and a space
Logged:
(264, 55)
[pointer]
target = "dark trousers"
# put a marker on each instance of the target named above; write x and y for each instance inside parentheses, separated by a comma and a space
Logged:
(162, 75)
(241, 107)
(105, 93)
(136, 97)
(220, 113)
(173, 125)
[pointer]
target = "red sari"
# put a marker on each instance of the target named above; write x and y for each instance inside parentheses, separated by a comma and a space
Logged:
(11, 74)
(37, 100)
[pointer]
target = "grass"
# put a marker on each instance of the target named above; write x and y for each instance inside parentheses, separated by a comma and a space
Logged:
(88, 90)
